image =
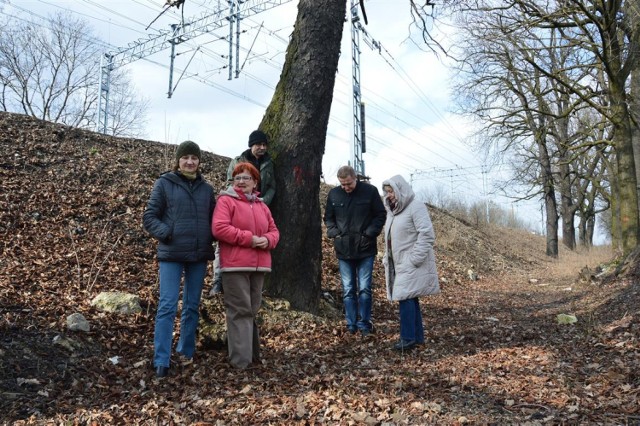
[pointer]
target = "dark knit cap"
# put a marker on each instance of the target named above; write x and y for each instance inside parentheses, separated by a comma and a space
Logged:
(257, 136)
(187, 148)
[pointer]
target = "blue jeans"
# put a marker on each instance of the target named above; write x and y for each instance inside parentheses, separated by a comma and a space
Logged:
(411, 320)
(170, 275)
(356, 289)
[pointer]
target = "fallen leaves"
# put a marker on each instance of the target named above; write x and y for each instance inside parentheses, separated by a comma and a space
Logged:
(494, 352)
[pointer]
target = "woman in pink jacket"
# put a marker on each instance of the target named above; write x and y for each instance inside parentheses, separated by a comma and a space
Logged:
(246, 234)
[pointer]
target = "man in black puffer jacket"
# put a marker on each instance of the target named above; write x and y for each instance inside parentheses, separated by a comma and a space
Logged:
(354, 216)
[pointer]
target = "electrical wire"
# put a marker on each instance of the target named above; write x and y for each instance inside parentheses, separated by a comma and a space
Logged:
(273, 36)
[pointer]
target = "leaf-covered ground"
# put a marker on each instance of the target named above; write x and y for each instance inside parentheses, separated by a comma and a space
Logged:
(70, 220)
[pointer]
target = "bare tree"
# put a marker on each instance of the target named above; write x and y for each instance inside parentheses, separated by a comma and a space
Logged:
(591, 189)
(609, 33)
(563, 59)
(52, 71)
(519, 111)
(128, 114)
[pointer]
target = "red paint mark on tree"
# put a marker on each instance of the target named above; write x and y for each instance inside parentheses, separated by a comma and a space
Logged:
(298, 175)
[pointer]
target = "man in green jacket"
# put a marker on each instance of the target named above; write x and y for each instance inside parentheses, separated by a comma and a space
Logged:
(258, 156)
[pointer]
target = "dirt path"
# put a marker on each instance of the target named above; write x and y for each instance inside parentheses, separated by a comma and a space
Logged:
(499, 340)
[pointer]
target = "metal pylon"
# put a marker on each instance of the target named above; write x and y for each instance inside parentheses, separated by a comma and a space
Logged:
(161, 40)
(358, 145)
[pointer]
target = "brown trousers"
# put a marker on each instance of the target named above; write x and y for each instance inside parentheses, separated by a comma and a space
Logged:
(242, 299)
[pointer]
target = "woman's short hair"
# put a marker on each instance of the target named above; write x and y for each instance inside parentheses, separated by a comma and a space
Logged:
(249, 168)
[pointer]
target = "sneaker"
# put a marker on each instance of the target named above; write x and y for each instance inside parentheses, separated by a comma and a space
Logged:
(352, 330)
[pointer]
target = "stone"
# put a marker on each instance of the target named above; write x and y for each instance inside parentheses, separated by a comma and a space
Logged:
(121, 303)
(77, 322)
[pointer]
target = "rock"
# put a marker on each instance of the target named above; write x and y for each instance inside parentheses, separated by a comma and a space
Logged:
(64, 342)
(121, 303)
(566, 319)
(77, 322)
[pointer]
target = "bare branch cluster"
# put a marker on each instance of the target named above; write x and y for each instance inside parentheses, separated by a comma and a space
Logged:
(547, 82)
(52, 72)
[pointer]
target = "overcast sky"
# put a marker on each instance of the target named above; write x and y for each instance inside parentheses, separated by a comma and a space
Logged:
(410, 129)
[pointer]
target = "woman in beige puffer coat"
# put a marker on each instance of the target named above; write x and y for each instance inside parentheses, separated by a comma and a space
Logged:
(409, 259)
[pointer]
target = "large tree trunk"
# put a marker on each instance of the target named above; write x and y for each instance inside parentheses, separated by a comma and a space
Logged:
(296, 120)
(626, 178)
(588, 217)
(568, 185)
(586, 228)
(548, 189)
(551, 224)
(568, 208)
(589, 231)
(631, 8)
(621, 121)
(616, 221)
(634, 110)
(591, 226)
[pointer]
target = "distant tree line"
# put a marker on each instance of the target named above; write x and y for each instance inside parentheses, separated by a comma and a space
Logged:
(51, 71)
(478, 212)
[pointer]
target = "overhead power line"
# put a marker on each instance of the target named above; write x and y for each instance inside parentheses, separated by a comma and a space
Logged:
(382, 111)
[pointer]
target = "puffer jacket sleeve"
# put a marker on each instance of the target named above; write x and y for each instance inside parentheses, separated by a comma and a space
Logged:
(223, 229)
(152, 217)
(268, 182)
(232, 165)
(212, 209)
(425, 234)
(272, 234)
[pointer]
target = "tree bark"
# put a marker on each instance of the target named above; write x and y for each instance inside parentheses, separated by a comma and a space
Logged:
(567, 206)
(296, 122)
(634, 110)
(626, 179)
(548, 189)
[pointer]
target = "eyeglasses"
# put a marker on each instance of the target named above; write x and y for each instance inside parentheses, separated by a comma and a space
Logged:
(242, 177)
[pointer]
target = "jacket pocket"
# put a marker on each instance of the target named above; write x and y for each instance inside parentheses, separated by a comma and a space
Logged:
(169, 238)
(365, 244)
(341, 244)
(402, 262)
